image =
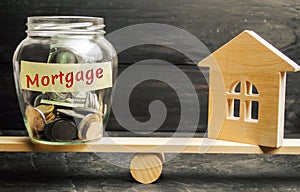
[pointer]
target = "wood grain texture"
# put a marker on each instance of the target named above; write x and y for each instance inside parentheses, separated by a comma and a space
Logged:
(151, 145)
(146, 168)
(248, 60)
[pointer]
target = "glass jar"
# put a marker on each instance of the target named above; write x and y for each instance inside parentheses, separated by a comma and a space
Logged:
(64, 71)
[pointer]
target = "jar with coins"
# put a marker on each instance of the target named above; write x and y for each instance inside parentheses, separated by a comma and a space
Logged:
(64, 71)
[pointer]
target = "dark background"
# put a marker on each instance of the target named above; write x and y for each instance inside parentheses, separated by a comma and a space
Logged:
(212, 22)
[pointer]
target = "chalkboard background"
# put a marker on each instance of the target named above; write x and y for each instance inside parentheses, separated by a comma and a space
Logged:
(213, 22)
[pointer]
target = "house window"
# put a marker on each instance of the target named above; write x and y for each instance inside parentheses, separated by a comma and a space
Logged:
(242, 102)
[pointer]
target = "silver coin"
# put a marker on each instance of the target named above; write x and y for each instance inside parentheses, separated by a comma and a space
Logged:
(37, 100)
(96, 104)
(94, 130)
(86, 122)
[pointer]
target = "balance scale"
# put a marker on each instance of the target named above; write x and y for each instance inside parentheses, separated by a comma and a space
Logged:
(248, 61)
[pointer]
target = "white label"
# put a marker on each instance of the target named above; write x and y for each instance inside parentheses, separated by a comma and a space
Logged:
(50, 77)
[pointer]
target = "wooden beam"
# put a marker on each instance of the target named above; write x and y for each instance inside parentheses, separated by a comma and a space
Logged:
(150, 145)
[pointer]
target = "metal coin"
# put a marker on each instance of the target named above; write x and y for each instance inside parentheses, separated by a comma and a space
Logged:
(104, 110)
(37, 100)
(85, 123)
(88, 101)
(96, 103)
(64, 130)
(92, 101)
(35, 119)
(47, 131)
(94, 130)
(50, 117)
(46, 109)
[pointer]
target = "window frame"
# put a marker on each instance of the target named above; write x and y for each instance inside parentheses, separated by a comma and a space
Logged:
(246, 93)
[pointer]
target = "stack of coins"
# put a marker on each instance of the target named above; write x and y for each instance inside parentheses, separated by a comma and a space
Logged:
(35, 120)
(57, 123)
(47, 111)
(38, 117)
(61, 129)
(64, 126)
(92, 101)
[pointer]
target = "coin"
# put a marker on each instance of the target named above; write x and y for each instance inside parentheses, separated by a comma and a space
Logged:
(37, 100)
(50, 117)
(104, 110)
(96, 103)
(47, 131)
(92, 101)
(94, 130)
(86, 122)
(46, 109)
(35, 118)
(63, 130)
(88, 100)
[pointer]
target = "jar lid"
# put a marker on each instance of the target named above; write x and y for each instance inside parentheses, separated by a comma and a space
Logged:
(65, 24)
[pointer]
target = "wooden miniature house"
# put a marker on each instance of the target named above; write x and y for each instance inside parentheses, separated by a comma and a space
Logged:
(247, 91)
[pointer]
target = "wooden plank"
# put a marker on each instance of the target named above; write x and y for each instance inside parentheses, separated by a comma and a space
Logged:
(151, 145)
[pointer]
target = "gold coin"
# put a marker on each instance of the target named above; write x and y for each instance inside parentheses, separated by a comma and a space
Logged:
(36, 120)
(46, 109)
(50, 117)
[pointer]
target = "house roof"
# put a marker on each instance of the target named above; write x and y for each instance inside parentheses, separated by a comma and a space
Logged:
(251, 50)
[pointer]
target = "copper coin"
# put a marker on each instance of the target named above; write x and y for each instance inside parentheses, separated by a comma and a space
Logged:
(35, 118)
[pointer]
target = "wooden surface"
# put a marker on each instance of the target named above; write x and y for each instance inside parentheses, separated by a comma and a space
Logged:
(213, 22)
(248, 61)
(151, 145)
(146, 167)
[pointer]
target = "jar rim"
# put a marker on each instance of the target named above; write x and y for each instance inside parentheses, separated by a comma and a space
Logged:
(65, 25)
(32, 19)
